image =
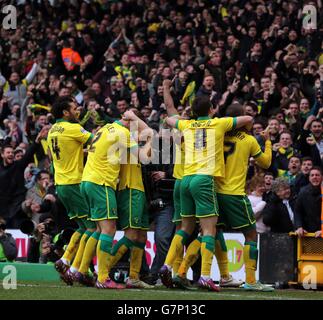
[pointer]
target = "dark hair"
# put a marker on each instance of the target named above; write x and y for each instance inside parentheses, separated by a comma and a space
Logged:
(235, 110)
(201, 106)
(316, 120)
(268, 173)
(273, 118)
(288, 132)
(316, 168)
(137, 113)
(259, 122)
(38, 175)
(253, 105)
(61, 104)
(5, 147)
(294, 156)
(306, 159)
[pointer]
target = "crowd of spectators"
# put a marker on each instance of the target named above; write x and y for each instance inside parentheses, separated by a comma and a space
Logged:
(112, 54)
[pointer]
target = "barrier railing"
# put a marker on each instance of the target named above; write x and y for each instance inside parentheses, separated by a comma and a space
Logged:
(309, 259)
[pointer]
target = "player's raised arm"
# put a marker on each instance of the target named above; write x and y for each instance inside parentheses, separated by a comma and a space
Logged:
(263, 159)
(129, 115)
(171, 122)
(243, 121)
(168, 100)
(145, 151)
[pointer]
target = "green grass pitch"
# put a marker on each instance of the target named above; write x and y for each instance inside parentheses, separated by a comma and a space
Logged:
(59, 291)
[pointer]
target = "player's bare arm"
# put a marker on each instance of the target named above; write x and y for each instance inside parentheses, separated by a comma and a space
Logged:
(168, 100)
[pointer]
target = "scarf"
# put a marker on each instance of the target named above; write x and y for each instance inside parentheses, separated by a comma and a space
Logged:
(287, 152)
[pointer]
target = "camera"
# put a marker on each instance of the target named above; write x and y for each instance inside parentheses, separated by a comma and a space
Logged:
(29, 227)
(49, 227)
(63, 239)
(57, 248)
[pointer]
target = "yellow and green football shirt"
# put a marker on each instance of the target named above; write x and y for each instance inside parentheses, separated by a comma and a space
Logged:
(239, 146)
(131, 177)
(65, 141)
(204, 144)
(178, 170)
(106, 153)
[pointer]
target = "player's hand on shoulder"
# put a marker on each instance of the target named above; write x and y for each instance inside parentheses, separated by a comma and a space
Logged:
(129, 116)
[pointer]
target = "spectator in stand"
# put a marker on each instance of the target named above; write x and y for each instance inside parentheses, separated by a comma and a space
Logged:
(40, 198)
(8, 248)
(268, 179)
(282, 153)
(278, 213)
(257, 189)
(12, 188)
(308, 206)
(273, 127)
(311, 142)
(294, 167)
(302, 179)
(15, 89)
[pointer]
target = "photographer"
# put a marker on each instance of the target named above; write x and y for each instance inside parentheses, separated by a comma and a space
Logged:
(40, 198)
(46, 245)
(8, 248)
(159, 185)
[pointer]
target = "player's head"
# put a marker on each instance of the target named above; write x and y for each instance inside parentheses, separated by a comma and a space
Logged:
(201, 106)
(235, 110)
(137, 113)
(65, 108)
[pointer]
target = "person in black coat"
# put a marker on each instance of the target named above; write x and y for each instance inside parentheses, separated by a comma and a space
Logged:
(8, 248)
(12, 183)
(308, 205)
(278, 213)
(302, 179)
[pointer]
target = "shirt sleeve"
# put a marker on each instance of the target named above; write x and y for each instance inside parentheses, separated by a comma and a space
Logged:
(80, 134)
(228, 123)
(263, 159)
(181, 125)
(126, 140)
(255, 148)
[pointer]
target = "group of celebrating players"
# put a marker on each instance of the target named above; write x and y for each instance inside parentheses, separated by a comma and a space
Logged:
(210, 169)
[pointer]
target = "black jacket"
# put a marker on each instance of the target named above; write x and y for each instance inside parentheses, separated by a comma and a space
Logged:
(308, 209)
(9, 246)
(12, 182)
(301, 181)
(276, 216)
